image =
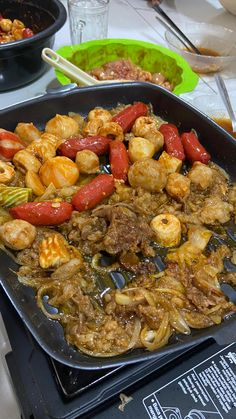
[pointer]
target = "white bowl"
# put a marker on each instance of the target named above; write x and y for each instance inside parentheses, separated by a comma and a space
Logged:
(229, 5)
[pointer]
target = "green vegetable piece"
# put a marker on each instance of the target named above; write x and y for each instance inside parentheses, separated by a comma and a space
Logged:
(11, 196)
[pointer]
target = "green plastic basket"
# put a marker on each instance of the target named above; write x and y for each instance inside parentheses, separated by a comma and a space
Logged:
(150, 57)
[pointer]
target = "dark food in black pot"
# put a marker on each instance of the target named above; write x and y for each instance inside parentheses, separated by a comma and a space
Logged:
(20, 61)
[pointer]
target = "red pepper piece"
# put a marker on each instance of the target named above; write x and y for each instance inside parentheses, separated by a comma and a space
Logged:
(193, 148)
(27, 33)
(10, 143)
(99, 145)
(119, 160)
(94, 192)
(128, 116)
(43, 213)
(172, 141)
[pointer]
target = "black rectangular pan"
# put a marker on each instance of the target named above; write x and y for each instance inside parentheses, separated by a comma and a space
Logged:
(217, 141)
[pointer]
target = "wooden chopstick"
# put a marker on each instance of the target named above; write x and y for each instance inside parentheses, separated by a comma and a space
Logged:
(184, 39)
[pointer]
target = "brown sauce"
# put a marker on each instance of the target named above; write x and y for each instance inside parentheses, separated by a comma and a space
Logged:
(226, 124)
(205, 51)
(209, 52)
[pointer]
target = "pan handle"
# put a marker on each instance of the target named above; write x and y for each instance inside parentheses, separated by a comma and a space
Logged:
(61, 89)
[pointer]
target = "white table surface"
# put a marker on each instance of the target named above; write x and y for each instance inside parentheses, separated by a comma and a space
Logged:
(132, 19)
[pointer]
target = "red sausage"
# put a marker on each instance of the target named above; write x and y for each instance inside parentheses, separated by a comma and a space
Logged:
(128, 116)
(172, 141)
(97, 144)
(27, 33)
(10, 143)
(43, 213)
(193, 149)
(119, 160)
(92, 194)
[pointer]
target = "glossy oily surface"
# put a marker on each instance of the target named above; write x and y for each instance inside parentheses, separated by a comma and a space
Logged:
(49, 333)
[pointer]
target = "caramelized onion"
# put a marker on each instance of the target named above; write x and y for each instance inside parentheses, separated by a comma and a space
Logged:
(135, 336)
(197, 320)
(122, 299)
(67, 270)
(47, 194)
(95, 264)
(176, 293)
(44, 290)
(178, 322)
(153, 339)
(149, 297)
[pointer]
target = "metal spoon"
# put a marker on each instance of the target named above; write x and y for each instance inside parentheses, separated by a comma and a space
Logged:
(225, 97)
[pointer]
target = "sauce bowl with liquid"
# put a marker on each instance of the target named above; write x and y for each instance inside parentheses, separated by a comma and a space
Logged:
(213, 106)
(216, 43)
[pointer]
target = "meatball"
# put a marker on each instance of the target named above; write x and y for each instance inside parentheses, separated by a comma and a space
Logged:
(140, 148)
(100, 114)
(87, 162)
(147, 127)
(178, 186)
(149, 174)
(201, 175)
(63, 126)
(17, 234)
(215, 210)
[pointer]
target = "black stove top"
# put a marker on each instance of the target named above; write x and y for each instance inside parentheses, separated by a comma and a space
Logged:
(199, 383)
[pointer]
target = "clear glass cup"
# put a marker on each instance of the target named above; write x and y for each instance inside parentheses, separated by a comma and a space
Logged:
(88, 19)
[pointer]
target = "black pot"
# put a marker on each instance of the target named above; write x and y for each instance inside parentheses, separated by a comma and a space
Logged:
(20, 61)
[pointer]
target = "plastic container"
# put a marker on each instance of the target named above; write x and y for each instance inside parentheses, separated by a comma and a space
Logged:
(215, 38)
(150, 57)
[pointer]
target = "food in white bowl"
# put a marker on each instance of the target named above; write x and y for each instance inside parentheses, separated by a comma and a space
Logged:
(216, 43)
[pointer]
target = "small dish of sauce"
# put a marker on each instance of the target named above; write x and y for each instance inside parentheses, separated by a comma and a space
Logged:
(208, 62)
(226, 124)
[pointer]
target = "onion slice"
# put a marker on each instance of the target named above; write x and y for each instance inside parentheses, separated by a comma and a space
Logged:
(153, 339)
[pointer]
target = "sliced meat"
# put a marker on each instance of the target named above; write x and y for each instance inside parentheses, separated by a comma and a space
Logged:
(126, 231)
